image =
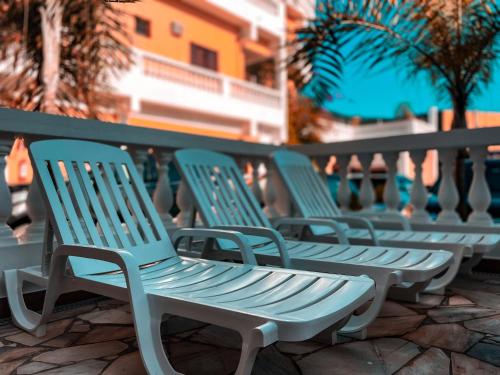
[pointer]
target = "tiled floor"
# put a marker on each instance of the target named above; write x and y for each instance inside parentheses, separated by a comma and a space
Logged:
(455, 334)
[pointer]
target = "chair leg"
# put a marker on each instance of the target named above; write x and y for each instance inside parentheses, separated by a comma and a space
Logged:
(22, 316)
(439, 284)
(150, 343)
(467, 266)
(253, 340)
(356, 326)
(408, 292)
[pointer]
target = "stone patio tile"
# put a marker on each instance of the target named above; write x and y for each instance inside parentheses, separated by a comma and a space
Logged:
(63, 340)
(298, 348)
(54, 329)
(464, 365)
(447, 336)
(458, 300)
(176, 324)
(129, 364)
(113, 316)
(9, 330)
(201, 359)
(427, 301)
(33, 368)
(395, 352)
(106, 333)
(13, 354)
(90, 367)
(458, 314)
(391, 308)
(218, 336)
(489, 325)
(9, 367)
(484, 299)
(486, 352)
(357, 358)
(271, 362)
(433, 362)
(80, 327)
(394, 326)
(72, 312)
(81, 352)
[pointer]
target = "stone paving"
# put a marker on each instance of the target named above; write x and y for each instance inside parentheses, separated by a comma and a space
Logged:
(458, 334)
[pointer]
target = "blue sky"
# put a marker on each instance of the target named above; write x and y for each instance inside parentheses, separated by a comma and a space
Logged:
(370, 94)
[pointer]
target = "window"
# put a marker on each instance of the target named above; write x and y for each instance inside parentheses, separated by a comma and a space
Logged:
(142, 26)
(204, 57)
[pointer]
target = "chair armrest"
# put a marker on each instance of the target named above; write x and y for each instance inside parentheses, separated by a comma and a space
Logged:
(392, 216)
(360, 222)
(324, 222)
(122, 258)
(238, 238)
(270, 233)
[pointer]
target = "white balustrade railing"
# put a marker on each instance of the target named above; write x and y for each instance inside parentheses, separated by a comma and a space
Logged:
(476, 141)
(161, 67)
(143, 143)
(271, 6)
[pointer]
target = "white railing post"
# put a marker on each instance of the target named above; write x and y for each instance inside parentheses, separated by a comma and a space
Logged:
(270, 193)
(185, 203)
(322, 163)
(256, 189)
(479, 192)
(6, 198)
(448, 192)
(163, 197)
(391, 190)
(139, 156)
(343, 191)
(366, 192)
(36, 211)
(418, 196)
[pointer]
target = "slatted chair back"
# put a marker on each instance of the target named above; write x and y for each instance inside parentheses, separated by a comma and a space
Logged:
(221, 195)
(95, 197)
(309, 193)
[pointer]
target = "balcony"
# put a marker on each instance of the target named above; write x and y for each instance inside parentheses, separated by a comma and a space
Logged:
(199, 90)
(458, 330)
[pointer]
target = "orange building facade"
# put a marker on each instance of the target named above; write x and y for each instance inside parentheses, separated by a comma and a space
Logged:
(207, 67)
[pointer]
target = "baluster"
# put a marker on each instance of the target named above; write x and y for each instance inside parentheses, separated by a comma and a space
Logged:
(140, 156)
(163, 197)
(322, 163)
(256, 189)
(36, 211)
(6, 198)
(283, 203)
(418, 190)
(391, 190)
(366, 192)
(344, 191)
(270, 194)
(185, 203)
(448, 192)
(479, 192)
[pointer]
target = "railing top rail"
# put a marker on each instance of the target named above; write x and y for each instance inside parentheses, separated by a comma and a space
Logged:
(179, 64)
(255, 86)
(37, 125)
(437, 140)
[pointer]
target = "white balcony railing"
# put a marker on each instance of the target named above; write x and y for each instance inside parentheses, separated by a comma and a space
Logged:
(418, 148)
(23, 248)
(206, 80)
(271, 6)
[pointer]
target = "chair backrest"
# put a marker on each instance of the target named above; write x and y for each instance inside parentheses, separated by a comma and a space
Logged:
(309, 193)
(94, 196)
(221, 195)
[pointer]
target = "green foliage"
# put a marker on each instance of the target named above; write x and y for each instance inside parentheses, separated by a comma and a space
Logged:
(94, 46)
(455, 41)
